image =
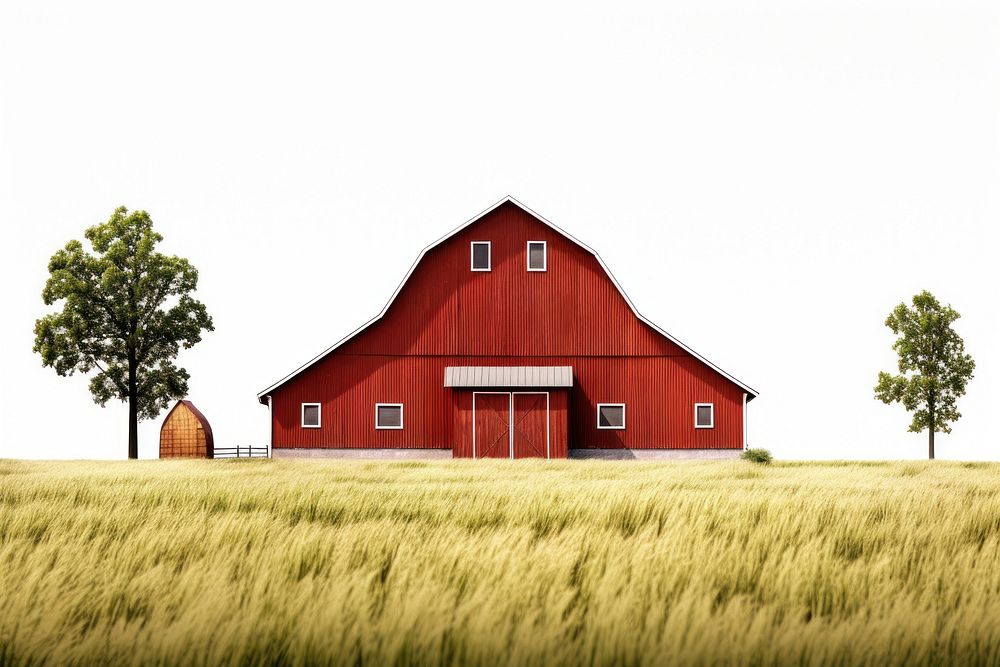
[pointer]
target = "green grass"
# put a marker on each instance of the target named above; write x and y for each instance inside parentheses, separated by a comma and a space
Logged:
(499, 563)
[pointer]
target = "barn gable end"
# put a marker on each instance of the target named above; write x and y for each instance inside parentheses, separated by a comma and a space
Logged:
(441, 309)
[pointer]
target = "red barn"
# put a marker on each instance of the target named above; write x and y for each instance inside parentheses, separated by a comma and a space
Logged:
(508, 338)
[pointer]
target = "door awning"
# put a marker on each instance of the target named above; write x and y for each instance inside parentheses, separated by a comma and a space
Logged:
(508, 376)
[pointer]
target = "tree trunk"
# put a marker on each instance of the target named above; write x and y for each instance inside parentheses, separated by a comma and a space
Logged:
(133, 411)
(930, 434)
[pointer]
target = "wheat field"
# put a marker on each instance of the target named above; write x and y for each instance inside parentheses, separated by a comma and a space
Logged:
(499, 563)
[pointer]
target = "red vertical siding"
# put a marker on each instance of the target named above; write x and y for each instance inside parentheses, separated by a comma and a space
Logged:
(659, 394)
(558, 423)
(491, 425)
(570, 309)
(558, 401)
(446, 315)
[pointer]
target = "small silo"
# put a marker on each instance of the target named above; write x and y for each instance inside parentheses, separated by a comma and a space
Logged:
(186, 433)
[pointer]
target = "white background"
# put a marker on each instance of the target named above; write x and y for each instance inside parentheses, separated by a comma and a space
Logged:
(765, 183)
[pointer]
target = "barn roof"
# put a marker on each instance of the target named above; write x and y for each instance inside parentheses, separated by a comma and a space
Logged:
(262, 396)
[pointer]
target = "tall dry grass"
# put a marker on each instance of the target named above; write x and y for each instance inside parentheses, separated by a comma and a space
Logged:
(489, 563)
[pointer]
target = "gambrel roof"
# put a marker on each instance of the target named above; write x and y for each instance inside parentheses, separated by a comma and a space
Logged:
(262, 396)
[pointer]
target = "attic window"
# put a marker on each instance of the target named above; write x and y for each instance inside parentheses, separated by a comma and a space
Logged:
(311, 415)
(481, 256)
(537, 256)
(704, 415)
(611, 415)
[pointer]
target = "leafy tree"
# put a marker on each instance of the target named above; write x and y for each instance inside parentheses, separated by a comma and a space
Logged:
(127, 310)
(933, 366)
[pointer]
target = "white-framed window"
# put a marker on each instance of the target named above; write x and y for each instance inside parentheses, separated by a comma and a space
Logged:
(704, 415)
(312, 415)
(611, 416)
(538, 256)
(389, 416)
(480, 255)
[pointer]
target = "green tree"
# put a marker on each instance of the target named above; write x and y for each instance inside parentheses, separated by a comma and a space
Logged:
(126, 312)
(933, 366)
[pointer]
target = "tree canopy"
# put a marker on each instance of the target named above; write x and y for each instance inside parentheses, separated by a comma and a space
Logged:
(933, 366)
(127, 310)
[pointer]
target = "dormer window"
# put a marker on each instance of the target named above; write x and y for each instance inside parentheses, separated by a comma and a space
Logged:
(480, 252)
(537, 256)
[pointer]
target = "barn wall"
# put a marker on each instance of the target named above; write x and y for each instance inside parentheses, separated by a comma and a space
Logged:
(659, 393)
(460, 435)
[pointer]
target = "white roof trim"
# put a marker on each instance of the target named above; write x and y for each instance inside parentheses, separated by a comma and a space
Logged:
(262, 395)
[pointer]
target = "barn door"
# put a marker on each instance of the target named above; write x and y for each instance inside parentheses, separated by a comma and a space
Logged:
(530, 423)
(491, 425)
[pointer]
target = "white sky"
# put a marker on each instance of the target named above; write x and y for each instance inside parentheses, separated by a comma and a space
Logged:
(766, 184)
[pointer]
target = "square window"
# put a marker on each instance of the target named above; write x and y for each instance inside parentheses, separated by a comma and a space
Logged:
(481, 256)
(537, 256)
(312, 415)
(611, 415)
(388, 415)
(704, 415)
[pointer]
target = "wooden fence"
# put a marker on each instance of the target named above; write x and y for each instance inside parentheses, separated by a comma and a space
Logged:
(241, 452)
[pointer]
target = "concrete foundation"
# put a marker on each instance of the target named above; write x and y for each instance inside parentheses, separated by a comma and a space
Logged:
(655, 454)
(359, 453)
(437, 454)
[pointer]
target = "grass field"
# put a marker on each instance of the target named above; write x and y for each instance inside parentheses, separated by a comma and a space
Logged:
(499, 563)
